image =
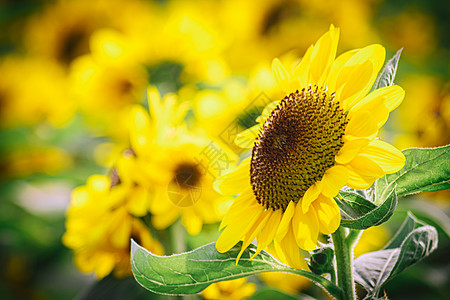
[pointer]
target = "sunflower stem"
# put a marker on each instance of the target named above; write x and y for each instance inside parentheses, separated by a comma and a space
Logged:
(343, 250)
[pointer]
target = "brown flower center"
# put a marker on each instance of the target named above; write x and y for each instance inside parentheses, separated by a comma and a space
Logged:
(296, 145)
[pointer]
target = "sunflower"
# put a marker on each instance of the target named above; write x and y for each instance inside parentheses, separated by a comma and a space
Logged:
(175, 167)
(99, 227)
(306, 147)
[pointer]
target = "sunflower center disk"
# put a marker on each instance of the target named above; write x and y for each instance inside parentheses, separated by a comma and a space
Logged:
(296, 145)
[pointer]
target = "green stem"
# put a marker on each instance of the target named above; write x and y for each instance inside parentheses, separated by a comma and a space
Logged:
(344, 262)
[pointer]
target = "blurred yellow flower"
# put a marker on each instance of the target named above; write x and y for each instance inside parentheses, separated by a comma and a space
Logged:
(372, 239)
(425, 115)
(32, 91)
(286, 282)
(26, 161)
(99, 227)
(306, 147)
(176, 167)
(237, 289)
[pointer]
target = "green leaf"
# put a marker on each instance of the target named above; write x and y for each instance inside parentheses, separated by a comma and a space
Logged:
(321, 261)
(373, 270)
(193, 271)
(270, 294)
(354, 205)
(387, 75)
(424, 170)
(364, 213)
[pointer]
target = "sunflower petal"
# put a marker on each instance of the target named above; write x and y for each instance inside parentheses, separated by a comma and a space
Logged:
(281, 75)
(328, 214)
(246, 139)
(301, 73)
(310, 195)
(333, 180)
(350, 149)
(389, 158)
(306, 228)
(239, 226)
(362, 172)
(290, 252)
(358, 75)
(267, 111)
(361, 125)
(323, 55)
(285, 221)
(235, 181)
(267, 234)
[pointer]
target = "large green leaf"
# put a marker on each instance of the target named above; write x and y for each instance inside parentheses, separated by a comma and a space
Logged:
(193, 271)
(424, 170)
(387, 75)
(360, 213)
(413, 242)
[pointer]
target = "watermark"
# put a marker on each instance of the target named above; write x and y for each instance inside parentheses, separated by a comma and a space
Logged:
(185, 189)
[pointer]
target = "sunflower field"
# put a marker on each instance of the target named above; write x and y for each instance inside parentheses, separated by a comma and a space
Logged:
(224, 149)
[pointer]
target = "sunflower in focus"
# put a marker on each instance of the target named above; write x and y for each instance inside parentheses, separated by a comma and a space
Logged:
(306, 147)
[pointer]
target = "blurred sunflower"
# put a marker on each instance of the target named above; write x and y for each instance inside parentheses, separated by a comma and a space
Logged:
(99, 227)
(176, 167)
(237, 289)
(306, 147)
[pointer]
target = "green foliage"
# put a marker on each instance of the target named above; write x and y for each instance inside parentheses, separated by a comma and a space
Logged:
(193, 271)
(413, 241)
(321, 261)
(360, 213)
(425, 170)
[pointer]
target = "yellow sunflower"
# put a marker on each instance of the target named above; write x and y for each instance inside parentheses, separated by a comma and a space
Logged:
(306, 147)
(99, 227)
(175, 167)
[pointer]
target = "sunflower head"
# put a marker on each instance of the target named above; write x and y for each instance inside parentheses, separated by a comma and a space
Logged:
(295, 147)
(320, 137)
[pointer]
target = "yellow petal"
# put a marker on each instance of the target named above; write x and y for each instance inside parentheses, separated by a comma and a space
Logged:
(267, 111)
(376, 107)
(235, 181)
(163, 221)
(138, 203)
(253, 232)
(362, 124)
(333, 180)
(192, 222)
(358, 75)
(350, 149)
(328, 214)
(281, 75)
(310, 195)
(154, 101)
(362, 172)
(290, 252)
(301, 71)
(285, 221)
(140, 132)
(267, 234)
(241, 203)
(323, 55)
(336, 68)
(306, 228)
(240, 226)
(246, 138)
(389, 158)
